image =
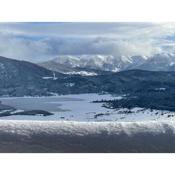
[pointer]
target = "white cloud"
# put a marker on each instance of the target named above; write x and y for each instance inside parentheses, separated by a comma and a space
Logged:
(37, 41)
(18, 48)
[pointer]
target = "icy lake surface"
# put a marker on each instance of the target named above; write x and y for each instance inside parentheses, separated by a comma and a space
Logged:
(79, 107)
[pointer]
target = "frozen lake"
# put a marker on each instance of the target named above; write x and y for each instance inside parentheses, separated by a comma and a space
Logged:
(67, 107)
(79, 107)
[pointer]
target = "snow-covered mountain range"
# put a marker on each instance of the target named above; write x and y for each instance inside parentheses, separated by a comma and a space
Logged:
(96, 62)
(74, 64)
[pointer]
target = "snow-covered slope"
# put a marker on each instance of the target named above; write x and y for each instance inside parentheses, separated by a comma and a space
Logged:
(157, 62)
(28, 136)
(102, 62)
(97, 62)
(65, 68)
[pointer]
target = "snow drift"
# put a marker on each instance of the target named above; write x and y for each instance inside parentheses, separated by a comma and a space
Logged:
(51, 136)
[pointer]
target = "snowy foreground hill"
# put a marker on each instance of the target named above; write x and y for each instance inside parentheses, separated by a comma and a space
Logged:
(42, 136)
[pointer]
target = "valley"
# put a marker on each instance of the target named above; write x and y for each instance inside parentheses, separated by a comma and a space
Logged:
(29, 91)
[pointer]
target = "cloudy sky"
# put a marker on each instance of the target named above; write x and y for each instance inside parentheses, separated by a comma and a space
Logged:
(42, 41)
